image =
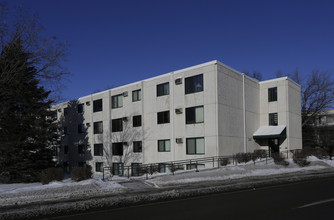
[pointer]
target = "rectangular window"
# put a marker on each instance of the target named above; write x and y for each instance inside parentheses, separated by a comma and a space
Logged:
(163, 89)
(136, 121)
(136, 95)
(273, 119)
(163, 145)
(195, 146)
(98, 149)
(117, 149)
(135, 169)
(194, 84)
(163, 117)
(162, 168)
(81, 149)
(117, 169)
(195, 166)
(66, 149)
(81, 128)
(98, 166)
(117, 125)
(98, 127)
(117, 101)
(137, 146)
(97, 105)
(195, 115)
(272, 94)
(80, 108)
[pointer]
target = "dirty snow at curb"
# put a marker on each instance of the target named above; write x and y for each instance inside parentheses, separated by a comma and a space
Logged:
(237, 172)
(13, 194)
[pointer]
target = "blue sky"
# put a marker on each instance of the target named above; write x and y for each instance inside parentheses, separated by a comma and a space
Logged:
(115, 42)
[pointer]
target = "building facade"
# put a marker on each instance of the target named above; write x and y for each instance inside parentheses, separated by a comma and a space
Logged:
(201, 111)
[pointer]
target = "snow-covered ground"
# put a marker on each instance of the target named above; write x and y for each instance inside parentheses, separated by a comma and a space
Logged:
(21, 194)
(236, 172)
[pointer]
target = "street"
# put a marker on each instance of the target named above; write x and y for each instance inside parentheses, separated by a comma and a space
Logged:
(304, 200)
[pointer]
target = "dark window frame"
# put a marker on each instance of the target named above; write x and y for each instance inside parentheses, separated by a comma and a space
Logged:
(136, 95)
(163, 89)
(164, 147)
(188, 152)
(163, 117)
(99, 167)
(115, 103)
(117, 125)
(191, 84)
(137, 146)
(272, 94)
(191, 115)
(115, 149)
(273, 119)
(97, 105)
(80, 108)
(96, 127)
(98, 149)
(136, 121)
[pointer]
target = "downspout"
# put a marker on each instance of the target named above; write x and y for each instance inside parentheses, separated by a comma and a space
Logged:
(244, 111)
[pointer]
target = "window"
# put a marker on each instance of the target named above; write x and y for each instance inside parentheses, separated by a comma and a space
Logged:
(117, 125)
(66, 149)
(195, 115)
(81, 128)
(80, 108)
(136, 121)
(163, 117)
(98, 149)
(65, 111)
(137, 146)
(97, 105)
(194, 166)
(273, 119)
(117, 101)
(98, 127)
(163, 89)
(194, 84)
(195, 146)
(117, 169)
(135, 169)
(136, 95)
(272, 94)
(81, 149)
(162, 168)
(99, 167)
(163, 145)
(117, 149)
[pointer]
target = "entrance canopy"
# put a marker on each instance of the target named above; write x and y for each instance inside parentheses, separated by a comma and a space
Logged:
(270, 132)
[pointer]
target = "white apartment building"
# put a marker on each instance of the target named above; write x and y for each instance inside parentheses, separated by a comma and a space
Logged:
(201, 111)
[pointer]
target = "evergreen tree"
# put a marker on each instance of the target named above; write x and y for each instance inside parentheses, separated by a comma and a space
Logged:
(27, 131)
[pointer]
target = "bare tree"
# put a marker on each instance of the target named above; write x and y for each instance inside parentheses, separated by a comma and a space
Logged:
(256, 75)
(46, 53)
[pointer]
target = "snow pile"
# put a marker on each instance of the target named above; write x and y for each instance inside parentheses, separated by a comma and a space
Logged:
(238, 172)
(15, 194)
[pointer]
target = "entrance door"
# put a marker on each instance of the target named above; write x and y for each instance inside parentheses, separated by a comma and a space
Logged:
(273, 145)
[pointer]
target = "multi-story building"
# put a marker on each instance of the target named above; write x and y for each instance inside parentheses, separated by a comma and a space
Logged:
(201, 111)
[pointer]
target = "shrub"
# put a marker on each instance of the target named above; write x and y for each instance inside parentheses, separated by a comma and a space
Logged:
(260, 153)
(300, 156)
(243, 157)
(320, 153)
(224, 161)
(280, 160)
(52, 174)
(81, 173)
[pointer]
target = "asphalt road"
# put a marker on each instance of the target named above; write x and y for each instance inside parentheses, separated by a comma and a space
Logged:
(304, 200)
